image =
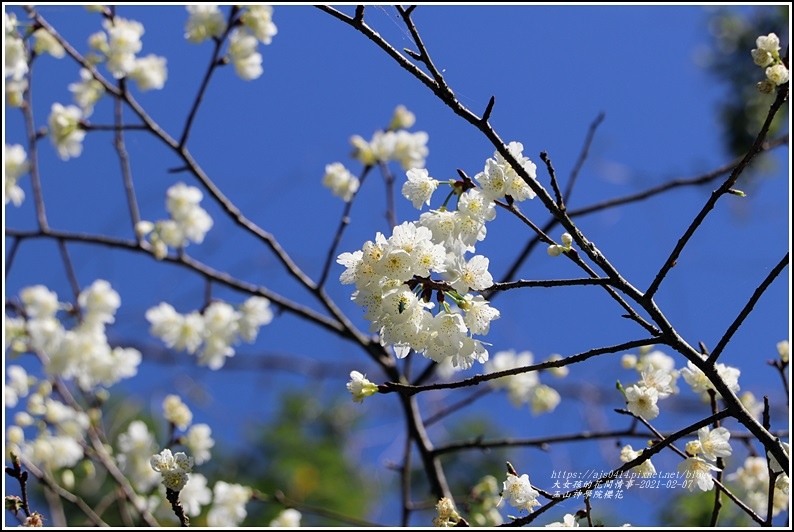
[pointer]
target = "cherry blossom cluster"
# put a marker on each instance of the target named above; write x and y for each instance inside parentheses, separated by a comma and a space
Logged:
(212, 332)
(645, 469)
(393, 144)
(16, 164)
(766, 55)
(519, 493)
(699, 383)
(287, 518)
(17, 56)
(522, 388)
(56, 431)
(341, 182)
(205, 21)
(393, 282)
(447, 516)
(137, 455)
(657, 381)
(174, 468)
(117, 47)
(81, 353)
(701, 455)
(396, 277)
(752, 480)
(484, 503)
(188, 223)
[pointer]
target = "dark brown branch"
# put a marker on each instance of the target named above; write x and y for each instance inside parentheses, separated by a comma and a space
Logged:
(50, 483)
(582, 156)
(193, 265)
(214, 63)
(409, 390)
(173, 498)
(488, 109)
(424, 55)
(359, 16)
(33, 154)
(344, 221)
(124, 160)
(547, 283)
(748, 308)
(675, 183)
(717, 194)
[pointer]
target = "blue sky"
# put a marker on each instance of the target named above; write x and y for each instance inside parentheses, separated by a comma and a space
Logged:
(552, 70)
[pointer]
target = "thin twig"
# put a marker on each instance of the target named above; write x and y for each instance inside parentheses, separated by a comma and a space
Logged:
(547, 283)
(33, 154)
(553, 175)
(582, 156)
(205, 81)
(70, 273)
(344, 221)
(124, 160)
(407, 389)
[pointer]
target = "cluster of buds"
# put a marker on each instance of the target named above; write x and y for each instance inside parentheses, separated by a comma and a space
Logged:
(767, 55)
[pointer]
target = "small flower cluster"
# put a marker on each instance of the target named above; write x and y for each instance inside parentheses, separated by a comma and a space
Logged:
(753, 481)
(394, 144)
(645, 469)
(207, 22)
(699, 383)
(117, 46)
(66, 131)
(341, 182)
(568, 521)
(174, 468)
(188, 223)
(522, 388)
(288, 518)
(767, 55)
(213, 332)
(484, 501)
(16, 165)
(60, 429)
(228, 504)
(81, 353)
(16, 61)
(657, 381)
(447, 515)
(711, 444)
(499, 179)
(86, 92)
(520, 493)
(392, 278)
(134, 452)
(136, 458)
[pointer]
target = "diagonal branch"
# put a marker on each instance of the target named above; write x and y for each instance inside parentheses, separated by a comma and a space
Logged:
(748, 308)
(756, 148)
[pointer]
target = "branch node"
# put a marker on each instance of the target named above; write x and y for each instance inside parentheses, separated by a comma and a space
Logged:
(413, 54)
(359, 16)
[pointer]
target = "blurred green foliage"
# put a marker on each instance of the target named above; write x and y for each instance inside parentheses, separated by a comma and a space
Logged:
(733, 33)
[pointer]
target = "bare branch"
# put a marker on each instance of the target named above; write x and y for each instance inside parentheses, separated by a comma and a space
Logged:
(748, 308)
